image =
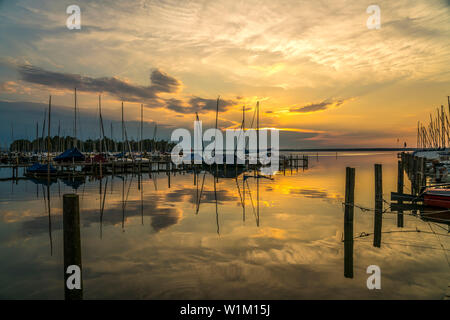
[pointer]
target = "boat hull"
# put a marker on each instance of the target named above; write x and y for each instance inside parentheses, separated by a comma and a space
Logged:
(437, 200)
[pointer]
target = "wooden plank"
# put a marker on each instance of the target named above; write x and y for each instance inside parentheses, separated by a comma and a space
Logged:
(395, 196)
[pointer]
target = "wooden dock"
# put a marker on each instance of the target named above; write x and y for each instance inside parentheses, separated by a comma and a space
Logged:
(91, 168)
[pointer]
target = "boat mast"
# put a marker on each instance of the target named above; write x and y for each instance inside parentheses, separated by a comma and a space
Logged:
(48, 134)
(101, 140)
(215, 139)
(123, 135)
(36, 147)
(75, 124)
(112, 139)
(142, 129)
(257, 131)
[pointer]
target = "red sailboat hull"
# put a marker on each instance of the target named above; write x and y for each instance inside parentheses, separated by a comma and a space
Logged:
(437, 198)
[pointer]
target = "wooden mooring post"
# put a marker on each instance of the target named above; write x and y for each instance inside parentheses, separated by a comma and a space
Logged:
(378, 217)
(348, 221)
(400, 180)
(72, 248)
(414, 176)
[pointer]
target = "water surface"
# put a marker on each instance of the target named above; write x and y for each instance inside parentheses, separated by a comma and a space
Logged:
(151, 242)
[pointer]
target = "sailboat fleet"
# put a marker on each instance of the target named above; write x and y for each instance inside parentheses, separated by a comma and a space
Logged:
(74, 156)
(105, 154)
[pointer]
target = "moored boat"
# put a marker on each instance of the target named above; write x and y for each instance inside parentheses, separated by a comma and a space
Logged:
(437, 197)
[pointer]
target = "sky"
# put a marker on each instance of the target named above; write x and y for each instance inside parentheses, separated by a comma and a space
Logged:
(320, 74)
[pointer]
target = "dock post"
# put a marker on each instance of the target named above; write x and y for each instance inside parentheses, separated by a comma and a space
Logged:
(348, 221)
(400, 180)
(168, 179)
(422, 170)
(290, 163)
(378, 206)
(72, 246)
(415, 177)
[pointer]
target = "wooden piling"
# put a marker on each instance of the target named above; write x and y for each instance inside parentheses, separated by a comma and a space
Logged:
(348, 221)
(72, 243)
(414, 176)
(400, 180)
(168, 179)
(378, 206)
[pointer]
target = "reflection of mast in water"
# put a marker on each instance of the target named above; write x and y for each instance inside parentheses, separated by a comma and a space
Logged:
(257, 201)
(142, 199)
(217, 210)
(251, 200)
(102, 204)
(199, 198)
(125, 200)
(47, 208)
(242, 198)
(154, 178)
(123, 203)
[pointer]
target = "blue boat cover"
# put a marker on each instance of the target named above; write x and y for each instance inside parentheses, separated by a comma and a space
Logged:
(40, 168)
(70, 155)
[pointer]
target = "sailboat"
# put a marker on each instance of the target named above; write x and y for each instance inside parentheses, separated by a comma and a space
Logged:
(72, 155)
(39, 169)
(229, 170)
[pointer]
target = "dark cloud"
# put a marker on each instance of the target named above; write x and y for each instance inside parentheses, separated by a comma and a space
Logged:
(317, 106)
(160, 82)
(163, 82)
(24, 115)
(197, 104)
(177, 106)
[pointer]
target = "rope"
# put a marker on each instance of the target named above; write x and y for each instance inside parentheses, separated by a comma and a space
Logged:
(365, 234)
(440, 243)
(412, 245)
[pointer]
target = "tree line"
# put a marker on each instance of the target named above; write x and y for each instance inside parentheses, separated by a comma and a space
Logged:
(60, 144)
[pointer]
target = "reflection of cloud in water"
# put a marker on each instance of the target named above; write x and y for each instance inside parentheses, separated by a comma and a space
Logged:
(208, 196)
(266, 268)
(270, 233)
(315, 194)
(162, 217)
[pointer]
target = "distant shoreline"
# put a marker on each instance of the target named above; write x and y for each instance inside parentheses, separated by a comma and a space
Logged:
(347, 149)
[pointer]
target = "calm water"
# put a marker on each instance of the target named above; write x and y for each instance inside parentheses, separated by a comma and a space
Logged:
(151, 244)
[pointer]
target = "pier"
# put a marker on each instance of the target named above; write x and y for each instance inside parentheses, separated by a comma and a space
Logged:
(133, 166)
